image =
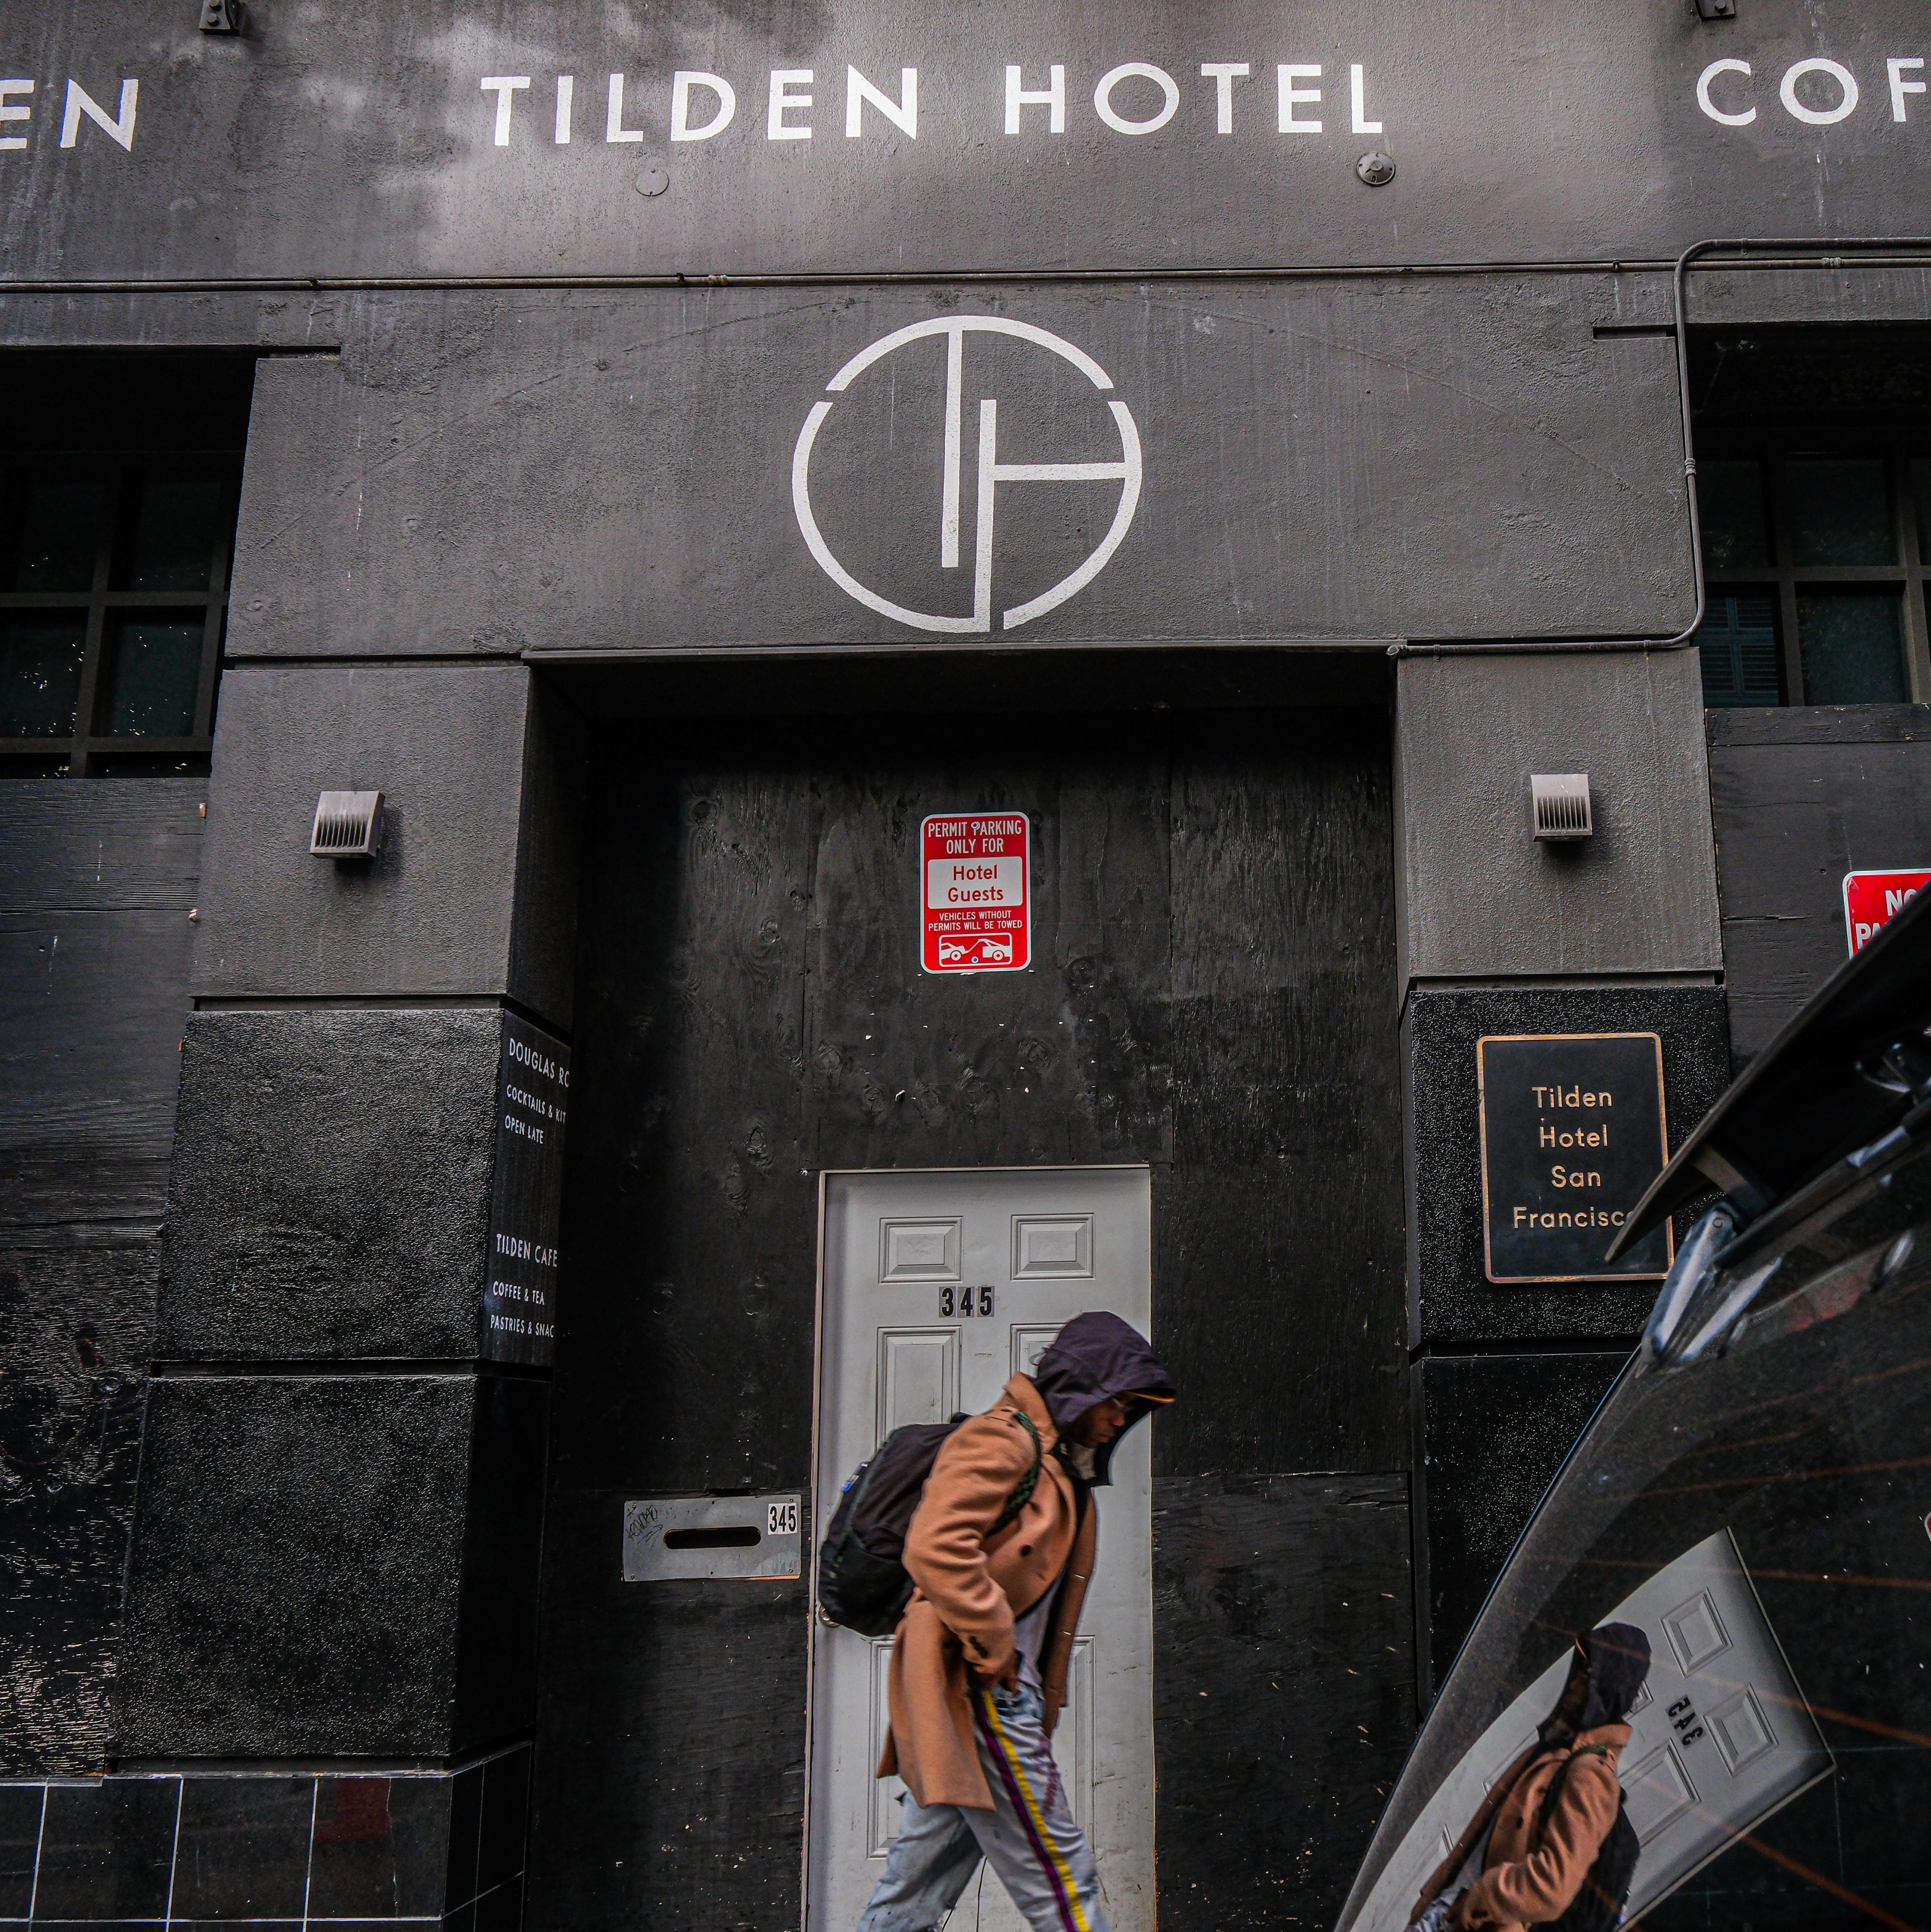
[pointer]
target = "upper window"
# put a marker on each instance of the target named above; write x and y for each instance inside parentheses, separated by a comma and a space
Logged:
(1813, 486)
(1814, 561)
(114, 568)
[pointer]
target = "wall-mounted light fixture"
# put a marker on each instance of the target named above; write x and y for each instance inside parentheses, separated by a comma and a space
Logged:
(348, 825)
(1560, 803)
(220, 17)
(1715, 9)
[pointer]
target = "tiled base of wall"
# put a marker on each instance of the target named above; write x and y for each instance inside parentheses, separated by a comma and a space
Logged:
(338, 1853)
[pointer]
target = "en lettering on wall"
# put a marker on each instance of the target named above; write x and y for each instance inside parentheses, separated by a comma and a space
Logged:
(1872, 900)
(1573, 1130)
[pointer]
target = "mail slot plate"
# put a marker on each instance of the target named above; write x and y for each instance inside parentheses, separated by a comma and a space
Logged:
(649, 1558)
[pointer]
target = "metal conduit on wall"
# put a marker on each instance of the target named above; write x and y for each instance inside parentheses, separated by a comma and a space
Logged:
(1808, 253)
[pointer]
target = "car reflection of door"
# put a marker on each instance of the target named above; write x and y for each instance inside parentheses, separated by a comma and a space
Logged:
(1720, 1737)
(937, 1286)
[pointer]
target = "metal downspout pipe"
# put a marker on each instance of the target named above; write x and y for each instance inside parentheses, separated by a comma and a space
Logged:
(1811, 253)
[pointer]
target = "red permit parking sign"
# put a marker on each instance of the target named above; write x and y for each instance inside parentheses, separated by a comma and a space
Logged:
(1872, 899)
(978, 912)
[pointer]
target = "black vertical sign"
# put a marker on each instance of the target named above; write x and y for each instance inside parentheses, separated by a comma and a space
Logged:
(526, 1199)
(1574, 1131)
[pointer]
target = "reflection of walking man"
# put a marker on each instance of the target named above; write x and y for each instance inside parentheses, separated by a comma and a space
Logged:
(978, 1670)
(1537, 1844)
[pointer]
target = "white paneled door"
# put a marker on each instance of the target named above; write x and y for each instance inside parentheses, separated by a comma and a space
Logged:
(937, 1286)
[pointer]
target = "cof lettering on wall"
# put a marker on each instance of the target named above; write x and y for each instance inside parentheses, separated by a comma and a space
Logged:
(1816, 92)
(975, 870)
(526, 1196)
(1574, 1131)
(1872, 900)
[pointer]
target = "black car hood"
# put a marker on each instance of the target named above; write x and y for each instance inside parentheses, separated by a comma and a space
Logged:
(1851, 1064)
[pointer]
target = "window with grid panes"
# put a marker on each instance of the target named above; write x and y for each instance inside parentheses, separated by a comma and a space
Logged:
(119, 473)
(113, 589)
(1813, 553)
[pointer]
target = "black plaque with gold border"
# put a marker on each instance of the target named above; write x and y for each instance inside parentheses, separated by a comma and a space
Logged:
(1574, 1128)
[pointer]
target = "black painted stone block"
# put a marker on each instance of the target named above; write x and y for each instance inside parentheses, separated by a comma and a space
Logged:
(474, 891)
(299, 1571)
(1492, 1432)
(1284, 1688)
(1450, 1299)
(297, 1555)
(76, 1327)
(330, 1193)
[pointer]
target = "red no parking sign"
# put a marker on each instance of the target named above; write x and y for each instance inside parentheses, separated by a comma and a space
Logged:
(975, 887)
(1872, 900)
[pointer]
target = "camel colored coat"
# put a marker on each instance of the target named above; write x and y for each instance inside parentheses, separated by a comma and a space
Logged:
(970, 1587)
(1531, 1873)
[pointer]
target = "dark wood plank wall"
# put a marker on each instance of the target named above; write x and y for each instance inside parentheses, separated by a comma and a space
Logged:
(1214, 994)
(1799, 796)
(1285, 1627)
(97, 880)
(1280, 1258)
(96, 883)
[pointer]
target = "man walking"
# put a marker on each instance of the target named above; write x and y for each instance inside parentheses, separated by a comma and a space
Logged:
(1001, 1549)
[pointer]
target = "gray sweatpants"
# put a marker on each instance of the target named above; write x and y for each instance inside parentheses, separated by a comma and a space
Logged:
(1029, 1837)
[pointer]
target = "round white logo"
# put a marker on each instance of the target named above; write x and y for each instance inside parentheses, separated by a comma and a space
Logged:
(990, 474)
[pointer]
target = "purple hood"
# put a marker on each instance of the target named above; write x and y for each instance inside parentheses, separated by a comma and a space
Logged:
(1094, 1356)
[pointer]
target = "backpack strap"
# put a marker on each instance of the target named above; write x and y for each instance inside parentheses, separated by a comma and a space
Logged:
(1549, 1796)
(1022, 1493)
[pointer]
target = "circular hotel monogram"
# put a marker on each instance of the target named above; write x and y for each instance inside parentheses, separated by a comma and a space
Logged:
(990, 475)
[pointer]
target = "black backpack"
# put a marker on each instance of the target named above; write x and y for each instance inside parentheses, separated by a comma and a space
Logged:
(1598, 1907)
(861, 1580)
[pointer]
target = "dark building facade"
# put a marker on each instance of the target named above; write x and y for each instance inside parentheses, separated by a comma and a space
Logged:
(688, 463)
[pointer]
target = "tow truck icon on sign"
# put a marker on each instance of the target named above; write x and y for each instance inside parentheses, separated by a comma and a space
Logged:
(988, 950)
